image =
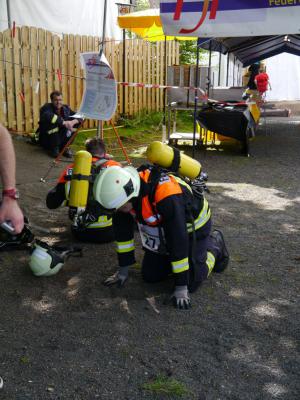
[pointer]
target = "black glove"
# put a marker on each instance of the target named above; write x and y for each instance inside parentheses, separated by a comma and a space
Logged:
(119, 278)
(180, 298)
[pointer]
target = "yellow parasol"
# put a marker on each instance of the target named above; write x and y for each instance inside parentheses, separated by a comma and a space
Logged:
(147, 24)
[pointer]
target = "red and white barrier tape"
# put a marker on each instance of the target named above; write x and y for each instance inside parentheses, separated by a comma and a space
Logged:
(156, 86)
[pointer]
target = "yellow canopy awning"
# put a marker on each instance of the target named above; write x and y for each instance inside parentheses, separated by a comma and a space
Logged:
(147, 24)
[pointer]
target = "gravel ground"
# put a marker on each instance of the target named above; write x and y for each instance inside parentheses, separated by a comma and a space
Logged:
(69, 337)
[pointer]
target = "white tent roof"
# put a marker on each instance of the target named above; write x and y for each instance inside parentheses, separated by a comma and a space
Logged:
(83, 17)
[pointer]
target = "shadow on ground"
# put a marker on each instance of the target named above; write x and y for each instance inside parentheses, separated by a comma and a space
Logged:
(68, 337)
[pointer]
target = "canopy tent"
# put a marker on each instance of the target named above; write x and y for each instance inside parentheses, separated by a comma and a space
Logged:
(251, 49)
(147, 24)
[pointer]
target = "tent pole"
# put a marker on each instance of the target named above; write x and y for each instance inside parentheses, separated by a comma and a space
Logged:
(100, 123)
(219, 75)
(8, 13)
(234, 59)
(227, 73)
(124, 71)
(196, 99)
(209, 71)
(164, 132)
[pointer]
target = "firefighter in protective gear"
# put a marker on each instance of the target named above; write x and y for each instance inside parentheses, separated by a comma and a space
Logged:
(174, 226)
(97, 226)
(56, 125)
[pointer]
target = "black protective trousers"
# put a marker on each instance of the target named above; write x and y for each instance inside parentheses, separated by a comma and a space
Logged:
(156, 267)
(56, 140)
(96, 235)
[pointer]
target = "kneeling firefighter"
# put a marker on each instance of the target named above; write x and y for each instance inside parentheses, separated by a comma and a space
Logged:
(173, 217)
(93, 225)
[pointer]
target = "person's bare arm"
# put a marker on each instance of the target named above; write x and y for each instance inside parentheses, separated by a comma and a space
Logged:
(7, 159)
(9, 209)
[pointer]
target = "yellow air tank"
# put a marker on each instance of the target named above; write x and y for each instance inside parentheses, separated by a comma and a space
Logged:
(80, 184)
(163, 155)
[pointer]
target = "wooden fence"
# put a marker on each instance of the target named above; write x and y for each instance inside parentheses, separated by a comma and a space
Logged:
(35, 62)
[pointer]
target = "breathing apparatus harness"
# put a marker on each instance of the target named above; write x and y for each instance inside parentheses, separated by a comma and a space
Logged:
(197, 187)
(93, 209)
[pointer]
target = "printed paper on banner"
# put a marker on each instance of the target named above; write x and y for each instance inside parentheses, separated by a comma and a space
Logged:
(100, 95)
(228, 18)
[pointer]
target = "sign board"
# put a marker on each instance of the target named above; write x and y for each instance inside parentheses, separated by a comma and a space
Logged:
(100, 94)
(229, 18)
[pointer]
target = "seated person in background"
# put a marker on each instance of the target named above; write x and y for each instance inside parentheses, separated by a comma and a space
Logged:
(100, 230)
(56, 126)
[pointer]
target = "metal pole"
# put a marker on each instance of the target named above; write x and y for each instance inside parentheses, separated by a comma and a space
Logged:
(8, 14)
(233, 69)
(227, 69)
(124, 69)
(196, 99)
(209, 70)
(220, 62)
(165, 92)
(100, 123)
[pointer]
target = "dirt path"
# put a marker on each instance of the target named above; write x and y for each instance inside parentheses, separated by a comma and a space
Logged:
(68, 337)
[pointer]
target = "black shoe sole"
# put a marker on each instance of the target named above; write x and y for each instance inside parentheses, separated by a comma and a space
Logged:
(222, 265)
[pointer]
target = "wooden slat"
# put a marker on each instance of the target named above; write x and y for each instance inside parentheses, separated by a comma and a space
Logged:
(153, 77)
(144, 74)
(42, 66)
(18, 80)
(71, 72)
(49, 64)
(56, 62)
(162, 74)
(78, 84)
(149, 77)
(34, 77)
(83, 49)
(10, 87)
(64, 69)
(158, 75)
(170, 60)
(3, 114)
(140, 74)
(119, 76)
(27, 78)
(114, 65)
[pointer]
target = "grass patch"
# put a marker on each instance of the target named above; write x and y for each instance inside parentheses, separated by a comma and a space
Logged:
(163, 385)
(135, 133)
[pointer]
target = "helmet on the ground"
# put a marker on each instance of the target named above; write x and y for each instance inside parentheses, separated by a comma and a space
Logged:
(115, 186)
(44, 260)
(11, 240)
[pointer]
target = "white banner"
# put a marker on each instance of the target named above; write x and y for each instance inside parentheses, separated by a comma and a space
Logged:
(100, 95)
(228, 18)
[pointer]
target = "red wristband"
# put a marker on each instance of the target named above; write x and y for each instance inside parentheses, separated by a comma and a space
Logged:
(12, 193)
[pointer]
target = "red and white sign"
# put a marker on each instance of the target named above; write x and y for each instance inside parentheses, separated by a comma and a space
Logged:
(229, 18)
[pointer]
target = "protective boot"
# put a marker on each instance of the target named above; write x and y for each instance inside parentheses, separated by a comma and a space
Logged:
(223, 257)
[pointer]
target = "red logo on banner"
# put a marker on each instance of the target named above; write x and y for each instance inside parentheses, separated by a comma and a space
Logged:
(212, 14)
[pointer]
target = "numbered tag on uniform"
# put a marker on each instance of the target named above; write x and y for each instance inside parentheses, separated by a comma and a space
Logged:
(150, 237)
